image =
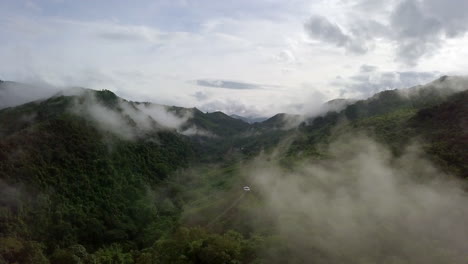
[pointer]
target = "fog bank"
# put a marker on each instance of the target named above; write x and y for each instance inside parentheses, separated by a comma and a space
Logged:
(363, 205)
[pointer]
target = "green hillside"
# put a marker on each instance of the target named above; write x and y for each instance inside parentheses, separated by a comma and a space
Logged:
(93, 178)
(436, 116)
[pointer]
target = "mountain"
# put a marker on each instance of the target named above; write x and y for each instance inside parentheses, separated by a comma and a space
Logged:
(445, 126)
(339, 104)
(280, 121)
(75, 182)
(249, 119)
(218, 123)
(89, 177)
(390, 115)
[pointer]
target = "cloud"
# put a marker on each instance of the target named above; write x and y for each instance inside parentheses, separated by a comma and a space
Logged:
(131, 120)
(195, 131)
(230, 107)
(321, 28)
(227, 84)
(422, 26)
(201, 95)
(364, 205)
(13, 94)
(286, 56)
(416, 32)
(369, 81)
(415, 28)
(161, 114)
(105, 118)
(158, 55)
(310, 105)
(130, 33)
(368, 68)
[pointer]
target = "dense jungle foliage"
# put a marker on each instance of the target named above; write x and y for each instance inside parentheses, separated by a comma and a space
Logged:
(73, 193)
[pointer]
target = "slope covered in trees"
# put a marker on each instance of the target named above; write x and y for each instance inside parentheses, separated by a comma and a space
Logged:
(89, 177)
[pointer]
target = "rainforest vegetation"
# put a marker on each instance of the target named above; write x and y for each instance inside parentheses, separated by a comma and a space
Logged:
(73, 192)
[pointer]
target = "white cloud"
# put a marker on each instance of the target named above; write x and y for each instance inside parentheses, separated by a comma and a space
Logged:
(369, 80)
(129, 120)
(148, 61)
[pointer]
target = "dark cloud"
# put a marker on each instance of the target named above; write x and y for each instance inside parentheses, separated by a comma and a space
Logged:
(368, 68)
(421, 26)
(227, 84)
(201, 96)
(321, 28)
(365, 29)
(417, 33)
(365, 84)
(417, 28)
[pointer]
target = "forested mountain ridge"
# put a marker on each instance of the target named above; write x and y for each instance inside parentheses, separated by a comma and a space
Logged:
(395, 118)
(89, 177)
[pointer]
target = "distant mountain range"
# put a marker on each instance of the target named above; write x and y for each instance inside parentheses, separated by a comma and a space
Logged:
(249, 119)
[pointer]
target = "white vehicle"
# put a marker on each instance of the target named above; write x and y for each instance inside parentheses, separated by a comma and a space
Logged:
(247, 188)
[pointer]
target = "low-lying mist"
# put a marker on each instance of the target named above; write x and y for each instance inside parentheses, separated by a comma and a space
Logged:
(125, 119)
(364, 205)
(130, 120)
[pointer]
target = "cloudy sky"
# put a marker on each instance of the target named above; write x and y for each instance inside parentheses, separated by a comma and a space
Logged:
(250, 57)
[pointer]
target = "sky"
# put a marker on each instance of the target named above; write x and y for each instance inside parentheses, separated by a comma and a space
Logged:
(245, 57)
